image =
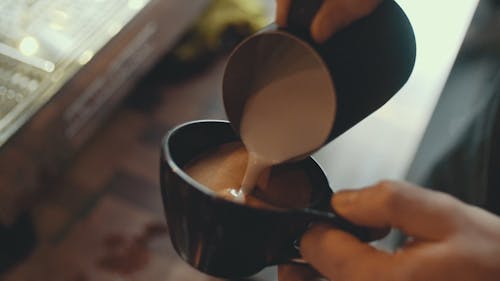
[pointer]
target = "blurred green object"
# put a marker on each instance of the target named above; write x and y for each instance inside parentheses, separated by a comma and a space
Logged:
(221, 27)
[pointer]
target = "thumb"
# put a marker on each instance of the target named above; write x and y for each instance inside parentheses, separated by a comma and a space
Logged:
(416, 211)
(340, 256)
(298, 272)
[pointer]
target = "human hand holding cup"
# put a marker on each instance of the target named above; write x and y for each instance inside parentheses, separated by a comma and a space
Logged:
(228, 239)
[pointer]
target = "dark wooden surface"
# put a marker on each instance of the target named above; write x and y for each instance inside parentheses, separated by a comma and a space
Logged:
(104, 220)
(36, 152)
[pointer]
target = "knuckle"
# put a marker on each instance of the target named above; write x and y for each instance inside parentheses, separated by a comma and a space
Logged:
(390, 194)
(386, 184)
(447, 203)
(387, 189)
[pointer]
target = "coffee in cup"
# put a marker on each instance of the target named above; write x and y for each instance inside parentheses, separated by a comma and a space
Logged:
(222, 170)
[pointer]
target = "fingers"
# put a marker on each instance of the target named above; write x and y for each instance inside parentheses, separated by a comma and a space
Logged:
(339, 256)
(337, 14)
(282, 8)
(298, 272)
(331, 17)
(416, 211)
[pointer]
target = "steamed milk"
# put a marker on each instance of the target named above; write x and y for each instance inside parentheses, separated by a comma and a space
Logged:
(286, 119)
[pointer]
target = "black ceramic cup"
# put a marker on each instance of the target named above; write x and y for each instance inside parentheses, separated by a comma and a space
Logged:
(227, 239)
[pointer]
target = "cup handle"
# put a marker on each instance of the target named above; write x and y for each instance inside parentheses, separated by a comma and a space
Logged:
(301, 15)
(364, 234)
(308, 217)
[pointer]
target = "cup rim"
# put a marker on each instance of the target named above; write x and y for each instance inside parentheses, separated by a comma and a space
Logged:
(168, 159)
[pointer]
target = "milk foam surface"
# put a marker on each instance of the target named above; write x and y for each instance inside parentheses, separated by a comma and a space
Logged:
(221, 169)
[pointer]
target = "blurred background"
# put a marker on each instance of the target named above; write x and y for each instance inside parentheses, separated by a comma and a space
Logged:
(89, 88)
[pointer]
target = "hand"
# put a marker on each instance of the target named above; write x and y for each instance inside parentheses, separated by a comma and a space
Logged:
(298, 272)
(450, 240)
(332, 16)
